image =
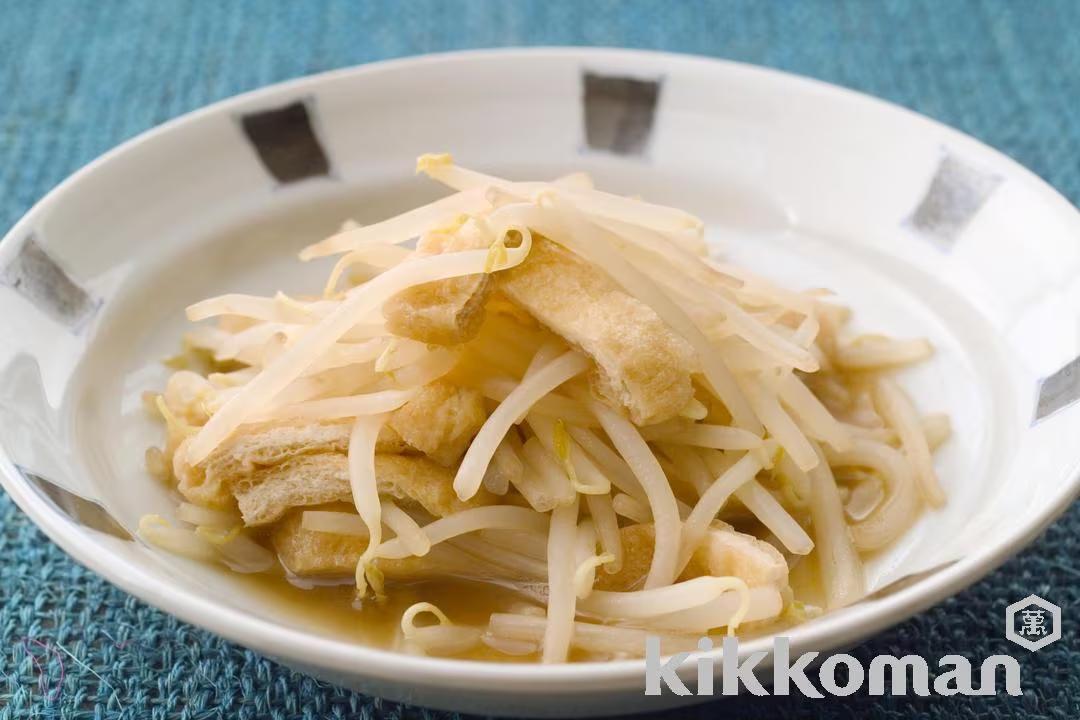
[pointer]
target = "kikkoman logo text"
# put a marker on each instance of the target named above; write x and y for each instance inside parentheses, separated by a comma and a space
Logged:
(900, 675)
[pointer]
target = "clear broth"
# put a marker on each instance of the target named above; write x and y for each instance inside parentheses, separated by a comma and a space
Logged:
(332, 610)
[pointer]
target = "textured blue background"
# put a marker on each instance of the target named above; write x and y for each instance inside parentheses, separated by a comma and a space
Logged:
(76, 78)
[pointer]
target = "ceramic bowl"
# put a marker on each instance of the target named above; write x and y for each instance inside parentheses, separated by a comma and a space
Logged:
(921, 230)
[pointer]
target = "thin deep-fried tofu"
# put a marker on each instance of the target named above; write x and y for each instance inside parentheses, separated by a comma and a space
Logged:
(728, 552)
(259, 446)
(637, 545)
(440, 421)
(724, 552)
(309, 553)
(641, 364)
(305, 480)
(444, 312)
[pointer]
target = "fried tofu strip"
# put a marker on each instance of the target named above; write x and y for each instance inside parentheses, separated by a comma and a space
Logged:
(268, 493)
(725, 552)
(637, 545)
(440, 421)
(260, 446)
(641, 364)
(310, 553)
(445, 312)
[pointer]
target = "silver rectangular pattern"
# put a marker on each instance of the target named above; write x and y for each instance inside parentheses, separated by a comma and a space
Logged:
(82, 511)
(956, 193)
(619, 112)
(286, 142)
(1058, 391)
(37, 277)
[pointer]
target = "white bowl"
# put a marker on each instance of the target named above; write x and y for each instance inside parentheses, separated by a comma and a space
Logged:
(923, 231)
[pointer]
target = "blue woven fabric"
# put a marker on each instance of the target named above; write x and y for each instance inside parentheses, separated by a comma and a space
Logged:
(76, 78)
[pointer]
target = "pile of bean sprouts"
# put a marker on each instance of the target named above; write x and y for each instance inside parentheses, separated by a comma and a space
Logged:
(797, 429)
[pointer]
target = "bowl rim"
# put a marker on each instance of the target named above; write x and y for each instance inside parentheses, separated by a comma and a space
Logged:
(856, 623)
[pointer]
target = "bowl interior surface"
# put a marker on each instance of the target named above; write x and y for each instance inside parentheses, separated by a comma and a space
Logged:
(923, 232)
